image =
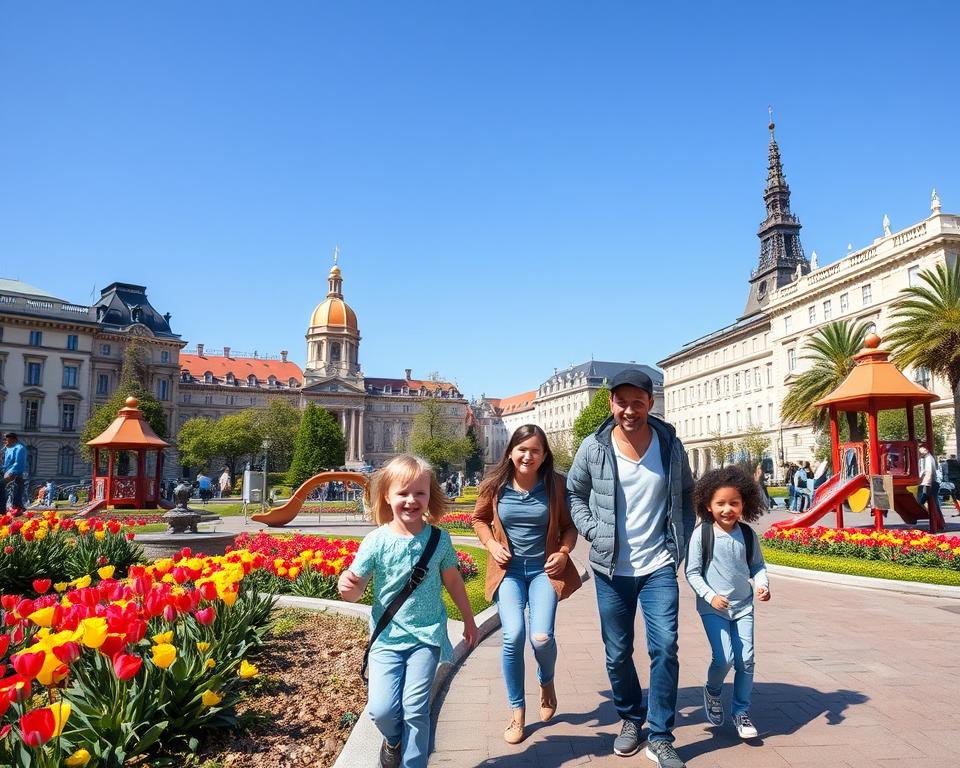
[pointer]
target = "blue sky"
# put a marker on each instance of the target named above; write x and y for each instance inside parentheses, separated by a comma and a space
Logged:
(514, 186)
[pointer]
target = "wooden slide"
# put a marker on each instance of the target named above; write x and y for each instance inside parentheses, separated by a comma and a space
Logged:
(279, 516)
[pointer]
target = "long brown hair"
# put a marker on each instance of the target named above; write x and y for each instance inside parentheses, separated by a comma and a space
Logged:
(503, 472)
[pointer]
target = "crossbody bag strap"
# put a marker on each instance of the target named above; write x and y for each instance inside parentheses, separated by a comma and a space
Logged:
(417, 575)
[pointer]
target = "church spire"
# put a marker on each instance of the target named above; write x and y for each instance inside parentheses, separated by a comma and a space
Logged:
(334, 280)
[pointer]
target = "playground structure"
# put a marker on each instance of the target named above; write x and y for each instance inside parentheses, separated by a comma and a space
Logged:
(874, 384)
(277, 517)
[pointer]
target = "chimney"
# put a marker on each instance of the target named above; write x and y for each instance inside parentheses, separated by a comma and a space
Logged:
(283, 355)
(406, 372)
(199, 350)
(226, 351)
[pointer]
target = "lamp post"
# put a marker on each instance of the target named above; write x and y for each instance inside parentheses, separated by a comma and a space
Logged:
(266, 448)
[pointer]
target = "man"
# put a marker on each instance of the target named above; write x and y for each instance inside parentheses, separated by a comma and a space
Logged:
(631, 496)
(204, 486)
(14, 468)
(928, 486)
(951, 473)
(225, 485)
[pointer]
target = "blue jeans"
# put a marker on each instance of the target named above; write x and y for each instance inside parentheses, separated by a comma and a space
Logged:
(526, 584)
(659, 599)
(399, 698)
(925, 492)
(731, 643)
(792, 498)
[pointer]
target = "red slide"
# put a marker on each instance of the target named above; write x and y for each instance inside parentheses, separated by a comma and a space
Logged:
(279, 516)
(826, 503)
(91, 509)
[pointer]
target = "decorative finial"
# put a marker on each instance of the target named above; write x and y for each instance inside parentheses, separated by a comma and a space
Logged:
(772, 124)
(849, 247)
(886, 225)
(935, 201)
(336, 254)
(814, 261)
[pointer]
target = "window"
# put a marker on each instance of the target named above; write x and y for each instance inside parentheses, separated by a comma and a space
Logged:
(103, 383)
(65, 459)
(844, 302)
(186, 399)
(31, 414)
(70, 376)
(756, 377)
(36, 338)
(34, 374)
(770, 413)
(827, 310)
(922, 377)
(913, 276)
(787, 324)
(164, 356)
(335, 352)
(736, 382)
(749, 417)
(867, 293)
(105, 350)
(72, 342)
(163, 389)
(791, 359)
(68, 417)
(812, 314)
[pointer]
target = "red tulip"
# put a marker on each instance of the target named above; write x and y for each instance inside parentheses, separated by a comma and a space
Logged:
(28, 664)
(136, 631)
(4, 644)
(205, 615)
(170, 613)
(41, 585)
(68, 653)
(208, 590)
(9, 601)
(24, 608)
(8, 550)
(37, 726)
(129, 535)
(126, 665)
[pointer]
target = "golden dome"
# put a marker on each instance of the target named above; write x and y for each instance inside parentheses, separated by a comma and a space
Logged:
(334, 311)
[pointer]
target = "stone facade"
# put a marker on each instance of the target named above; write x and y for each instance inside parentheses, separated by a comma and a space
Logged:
(735, 379)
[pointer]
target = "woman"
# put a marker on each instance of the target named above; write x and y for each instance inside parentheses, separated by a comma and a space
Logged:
(522, 519)
(760, 478)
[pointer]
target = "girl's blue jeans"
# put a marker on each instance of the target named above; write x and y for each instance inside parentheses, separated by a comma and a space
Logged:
(731, 643)
(399, 698)
(526, 584)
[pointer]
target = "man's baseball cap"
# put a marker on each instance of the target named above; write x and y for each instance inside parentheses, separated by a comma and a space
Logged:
(634, 378)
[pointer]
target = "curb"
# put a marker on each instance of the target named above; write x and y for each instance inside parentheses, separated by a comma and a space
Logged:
(866, 582)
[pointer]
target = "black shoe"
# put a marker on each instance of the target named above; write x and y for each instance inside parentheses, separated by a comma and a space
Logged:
(664, 755)
(629, 741)
(389, 755)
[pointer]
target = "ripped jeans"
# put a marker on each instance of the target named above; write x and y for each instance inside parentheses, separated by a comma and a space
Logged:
(731, 643)
(525, 584)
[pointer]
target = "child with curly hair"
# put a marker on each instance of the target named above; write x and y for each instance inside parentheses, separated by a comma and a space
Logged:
(723, 556)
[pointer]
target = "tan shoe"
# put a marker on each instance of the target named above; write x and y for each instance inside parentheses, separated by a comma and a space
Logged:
(548, 701)
(513, 733)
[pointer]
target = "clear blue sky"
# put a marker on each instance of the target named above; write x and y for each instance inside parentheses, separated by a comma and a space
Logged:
(515, 186)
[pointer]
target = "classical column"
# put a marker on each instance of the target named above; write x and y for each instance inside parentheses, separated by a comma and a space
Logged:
(361, 437)
(348, 414)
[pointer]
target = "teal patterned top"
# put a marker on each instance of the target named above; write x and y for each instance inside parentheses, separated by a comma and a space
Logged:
(389, 557)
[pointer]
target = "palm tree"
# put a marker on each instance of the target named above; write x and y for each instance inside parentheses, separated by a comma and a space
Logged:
(831, 350)
(925, 332)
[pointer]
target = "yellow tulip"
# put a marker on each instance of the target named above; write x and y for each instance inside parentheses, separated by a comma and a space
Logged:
(164, 655)
(106, 572)
(78, 759)
(100, 535)
(83, 582)
(247, 670)
(94, 631)
(203, 647)
(210, 663)
(61, 712)
(211, 699)
(60, 586)
(229, 596)
(163, 637)
(43, 617)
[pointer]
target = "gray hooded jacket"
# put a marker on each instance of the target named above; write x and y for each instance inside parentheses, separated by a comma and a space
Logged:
(591, 493)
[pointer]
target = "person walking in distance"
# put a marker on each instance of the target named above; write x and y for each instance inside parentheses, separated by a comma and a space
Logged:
(631, 496)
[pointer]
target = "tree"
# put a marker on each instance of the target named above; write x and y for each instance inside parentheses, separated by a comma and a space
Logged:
(319, 446)
(754, 445)
(474, 462)
(235, 436)
(134, 382)
(925, 332)
(278, 422)
(434, 438)
(722, 448)
(830, 350)
(195, 442)
(591, 417)
(561, 446)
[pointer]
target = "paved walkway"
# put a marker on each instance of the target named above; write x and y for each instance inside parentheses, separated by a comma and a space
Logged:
(846, 678)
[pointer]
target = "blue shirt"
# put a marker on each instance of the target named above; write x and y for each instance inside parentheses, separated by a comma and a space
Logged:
(203, 482)
(525, 518)
(389, 557)
(728, 572)
(15, 459)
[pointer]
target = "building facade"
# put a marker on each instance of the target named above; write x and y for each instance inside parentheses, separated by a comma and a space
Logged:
(733, 380)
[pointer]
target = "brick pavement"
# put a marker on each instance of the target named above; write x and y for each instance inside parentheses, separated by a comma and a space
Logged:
(846, 678)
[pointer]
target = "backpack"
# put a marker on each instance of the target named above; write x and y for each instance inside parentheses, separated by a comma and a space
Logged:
(706, 541)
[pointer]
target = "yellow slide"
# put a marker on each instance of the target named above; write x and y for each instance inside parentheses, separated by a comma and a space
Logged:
(277, 517)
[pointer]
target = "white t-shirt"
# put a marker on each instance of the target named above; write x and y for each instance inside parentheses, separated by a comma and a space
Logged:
(641, 512)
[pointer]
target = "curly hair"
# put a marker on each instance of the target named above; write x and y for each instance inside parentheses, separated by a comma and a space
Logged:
(728, 477)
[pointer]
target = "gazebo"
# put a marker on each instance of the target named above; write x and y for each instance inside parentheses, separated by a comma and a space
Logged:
(128, 461)
(876, 384)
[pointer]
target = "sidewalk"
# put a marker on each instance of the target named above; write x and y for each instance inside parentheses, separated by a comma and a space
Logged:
(846, 678)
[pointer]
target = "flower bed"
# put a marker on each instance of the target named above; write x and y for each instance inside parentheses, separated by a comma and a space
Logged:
(907, 548)
(457, 521)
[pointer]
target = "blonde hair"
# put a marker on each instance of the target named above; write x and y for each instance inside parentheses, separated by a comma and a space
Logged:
(402, 469)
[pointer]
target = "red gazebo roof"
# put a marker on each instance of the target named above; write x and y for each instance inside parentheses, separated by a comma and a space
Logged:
(129, 431)
(875, 383)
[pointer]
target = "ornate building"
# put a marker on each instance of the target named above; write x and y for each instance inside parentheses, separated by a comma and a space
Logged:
(733, 380)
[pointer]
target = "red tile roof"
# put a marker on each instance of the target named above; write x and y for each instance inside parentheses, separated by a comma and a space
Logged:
(240, 367)
(413, 384)
(515, 403)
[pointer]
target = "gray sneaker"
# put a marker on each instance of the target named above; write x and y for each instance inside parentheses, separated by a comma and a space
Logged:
(389, 755)
(664, 755)
(629, 741)
(713, 707)
(745, 728)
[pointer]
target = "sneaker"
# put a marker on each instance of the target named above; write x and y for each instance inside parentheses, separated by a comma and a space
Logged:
(713, 707)
(389, 755)
(745, 727)
(629, 741)
(664, 755)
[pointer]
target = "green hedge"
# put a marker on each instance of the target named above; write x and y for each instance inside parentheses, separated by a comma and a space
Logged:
(873, 568)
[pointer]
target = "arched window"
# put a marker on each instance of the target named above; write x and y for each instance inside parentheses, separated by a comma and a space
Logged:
(65, 460)
(292, 382)
(251, 380)
(272, 381)
(334, 351)
(208, 378)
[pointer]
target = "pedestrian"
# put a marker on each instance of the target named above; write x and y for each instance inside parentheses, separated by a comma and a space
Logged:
(800, 478)
(630, 491)
(406, 648)
(928, 487)
(791, 472)
(224, 484)
(204, 486)
(14, 468)
(760, 479)
(724, 555)
(522, 519)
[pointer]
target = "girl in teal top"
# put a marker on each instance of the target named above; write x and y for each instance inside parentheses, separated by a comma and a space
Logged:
(406, 498)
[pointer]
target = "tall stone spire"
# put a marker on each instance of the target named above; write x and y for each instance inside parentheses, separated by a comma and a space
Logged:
(781, 253)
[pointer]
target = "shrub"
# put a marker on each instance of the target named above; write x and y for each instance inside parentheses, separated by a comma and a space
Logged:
(872, 568)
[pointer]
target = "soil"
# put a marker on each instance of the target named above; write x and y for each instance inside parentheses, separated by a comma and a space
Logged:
(306, 699)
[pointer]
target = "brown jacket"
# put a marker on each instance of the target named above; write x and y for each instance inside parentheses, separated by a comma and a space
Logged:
(560, 531)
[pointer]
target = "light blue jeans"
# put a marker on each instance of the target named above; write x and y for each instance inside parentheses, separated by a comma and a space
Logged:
(399, 698)
(525, 584)
(731, 643)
